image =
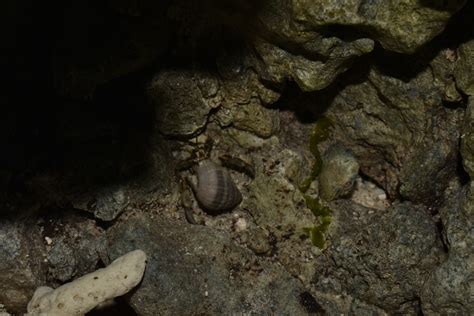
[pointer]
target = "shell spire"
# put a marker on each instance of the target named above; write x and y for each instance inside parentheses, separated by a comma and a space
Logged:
(215, 190)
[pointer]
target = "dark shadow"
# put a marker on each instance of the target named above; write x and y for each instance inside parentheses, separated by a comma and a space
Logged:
(119, 307)
(442, 5)
(77, 143)
(309, 106)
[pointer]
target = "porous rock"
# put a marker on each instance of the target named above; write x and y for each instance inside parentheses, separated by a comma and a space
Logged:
(450, 288)
(310, 75)
(399, 132)
(398, 27)
(74, 246)
(277, 205)
(382, 258)
(193, 269)
(465, 68)
(22, 266)
(467, 139)
(180, 107)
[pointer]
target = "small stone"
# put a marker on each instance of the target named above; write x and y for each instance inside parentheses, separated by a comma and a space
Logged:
(49, 241)
(338, 173)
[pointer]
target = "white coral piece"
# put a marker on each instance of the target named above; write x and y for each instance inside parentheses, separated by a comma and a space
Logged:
(82, 295)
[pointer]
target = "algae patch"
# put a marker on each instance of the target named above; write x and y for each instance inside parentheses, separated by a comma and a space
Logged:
(316, 233)
(320, 133)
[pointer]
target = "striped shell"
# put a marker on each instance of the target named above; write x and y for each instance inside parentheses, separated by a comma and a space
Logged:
(216, 191)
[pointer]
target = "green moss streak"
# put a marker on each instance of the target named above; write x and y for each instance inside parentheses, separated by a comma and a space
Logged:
(320, 133)
(317, 207)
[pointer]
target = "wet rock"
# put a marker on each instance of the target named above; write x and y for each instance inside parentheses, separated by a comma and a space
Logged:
(74, 247)
(465, 68)
(449, 289)
(22, 266)
(380, 257)
(338, 173)
(193, 269)
(399, 132)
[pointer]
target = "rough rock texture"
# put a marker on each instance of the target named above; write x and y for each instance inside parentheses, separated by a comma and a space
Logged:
(467, 139)
(181, 110)
(277, 205)
(450, 288)
(401, 27)
(395, 128)
(380, 257)
(144, 89)
(22, 266)
(311, 43)
(194, 269)
(465, 68)
(74, 246)
(280, 65)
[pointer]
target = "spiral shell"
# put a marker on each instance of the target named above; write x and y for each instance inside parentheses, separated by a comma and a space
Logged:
(215, 190)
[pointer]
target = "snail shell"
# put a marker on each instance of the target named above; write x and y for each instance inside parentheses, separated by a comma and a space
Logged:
(215, 190)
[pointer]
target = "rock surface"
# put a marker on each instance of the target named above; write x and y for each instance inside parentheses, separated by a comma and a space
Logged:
(449, 289)
(194, 269)
(467, 140)
(399, 133)
(22, 266)
(136, 92)
(380, 257)
(465, 67)
(74, 246)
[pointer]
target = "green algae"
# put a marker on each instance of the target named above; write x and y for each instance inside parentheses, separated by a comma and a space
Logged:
(316, 233)
(320, 133)
(316, 207)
